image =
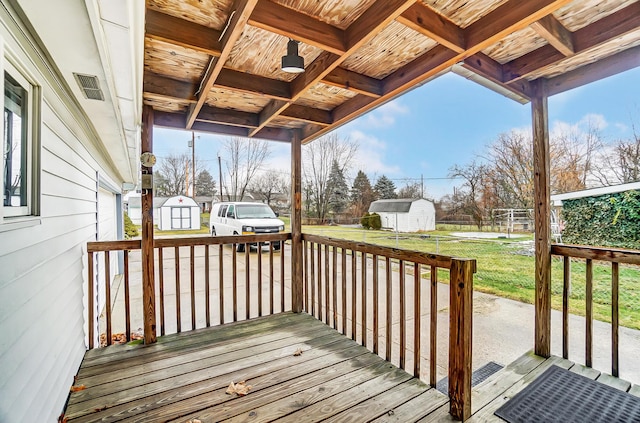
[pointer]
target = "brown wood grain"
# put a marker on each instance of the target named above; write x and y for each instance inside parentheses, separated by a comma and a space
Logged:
(207, 287)
(618, 255)
(566, 284)
(433, 325)
(107, 293)
(161, 289)
(147, 256)
(376, 310)
(176, 265)
(127, 304)
(589, 313)
(90, 299)
(389, 309)
(192, 291)
(615, 317)
(403, 315)
(221, 282)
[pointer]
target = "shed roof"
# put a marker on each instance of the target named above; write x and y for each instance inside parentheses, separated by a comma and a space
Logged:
(392, 206)
(594, 192)
(214, 66)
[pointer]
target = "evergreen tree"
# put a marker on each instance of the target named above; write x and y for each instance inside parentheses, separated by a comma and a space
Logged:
(337, 189)
(205, 184)
(385, 188)
(362, 194)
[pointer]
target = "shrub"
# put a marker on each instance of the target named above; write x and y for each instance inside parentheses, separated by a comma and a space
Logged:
(375, 222)
(130, 230)
(364, 221)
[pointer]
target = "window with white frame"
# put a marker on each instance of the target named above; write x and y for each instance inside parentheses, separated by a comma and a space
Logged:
(19, 173)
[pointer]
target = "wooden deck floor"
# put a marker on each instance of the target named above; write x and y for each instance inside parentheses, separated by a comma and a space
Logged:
(185, 376)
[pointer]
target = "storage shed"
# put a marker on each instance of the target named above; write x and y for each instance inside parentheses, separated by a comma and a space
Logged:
(406, 215)
(179, 212)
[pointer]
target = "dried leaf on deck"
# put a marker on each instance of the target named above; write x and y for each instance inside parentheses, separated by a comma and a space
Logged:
(240, 388)
(78, 388)
(194, 421)
(62, 418)
(298, 352)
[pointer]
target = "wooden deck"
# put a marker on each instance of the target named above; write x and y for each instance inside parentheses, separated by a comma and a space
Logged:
(185, 376)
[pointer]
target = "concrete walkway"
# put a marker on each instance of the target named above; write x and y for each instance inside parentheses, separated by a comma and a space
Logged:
(502, 329)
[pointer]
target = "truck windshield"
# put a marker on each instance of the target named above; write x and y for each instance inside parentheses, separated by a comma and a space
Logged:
(254, 211)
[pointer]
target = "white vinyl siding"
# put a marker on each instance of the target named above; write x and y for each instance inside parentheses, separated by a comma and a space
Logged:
(43, 278)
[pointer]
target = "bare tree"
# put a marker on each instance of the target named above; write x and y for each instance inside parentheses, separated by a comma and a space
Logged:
(410, 190)
(244, 158)
(173, 173)
(620, 163)
(468, 199)
(318, 157)
(269, 184)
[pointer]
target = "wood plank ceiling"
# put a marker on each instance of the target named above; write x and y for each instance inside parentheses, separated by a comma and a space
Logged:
(214, 65)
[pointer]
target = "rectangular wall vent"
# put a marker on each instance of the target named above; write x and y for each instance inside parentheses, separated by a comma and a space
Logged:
(90, 86)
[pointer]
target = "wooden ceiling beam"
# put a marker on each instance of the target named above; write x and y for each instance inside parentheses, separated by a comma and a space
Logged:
(606, 29)
(507, 19)
(162, 86)
(612, 65)
(366, 27)
(182, 32)
(307, 114)
(426, 21)
(254, 84)
(552, 30)
(491, 70)
(241, 11)
(352, 81)
(227, 117)
(287, 22)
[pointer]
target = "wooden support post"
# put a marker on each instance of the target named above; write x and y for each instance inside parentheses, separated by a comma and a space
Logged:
(460, 342)
(542, 212)
(148, 284)
(296, 223)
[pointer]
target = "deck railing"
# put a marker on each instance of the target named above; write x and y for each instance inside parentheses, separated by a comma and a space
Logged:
(343, 287)
(180, 254)
(589, 255)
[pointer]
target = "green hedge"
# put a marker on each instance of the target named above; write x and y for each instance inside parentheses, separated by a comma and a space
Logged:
(610, 220)
(371, 221)
(130, 230)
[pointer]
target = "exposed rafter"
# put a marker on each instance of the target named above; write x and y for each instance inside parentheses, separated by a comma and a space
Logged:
(555, 33)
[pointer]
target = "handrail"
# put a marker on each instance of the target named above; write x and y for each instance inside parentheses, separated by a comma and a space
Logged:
(325, 297)
(164, 276)
(615, 256)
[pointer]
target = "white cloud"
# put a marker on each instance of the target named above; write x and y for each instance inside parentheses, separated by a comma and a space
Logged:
(581, 127)
(385, 115)
(370, 156)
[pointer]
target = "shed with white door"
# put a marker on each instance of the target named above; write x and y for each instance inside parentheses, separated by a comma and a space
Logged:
(179, 212)
(406, 215)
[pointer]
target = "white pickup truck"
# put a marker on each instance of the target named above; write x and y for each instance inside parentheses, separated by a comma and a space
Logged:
(239, 218)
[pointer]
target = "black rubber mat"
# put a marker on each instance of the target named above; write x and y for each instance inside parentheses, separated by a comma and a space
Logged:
(479, 375)
(561, 396)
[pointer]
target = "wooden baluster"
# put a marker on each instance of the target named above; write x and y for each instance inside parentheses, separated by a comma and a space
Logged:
(354, 273)
(247, 279)
(615, 276)
(320, 282)
(389, 310)
(127, 305)
(344, 291)
(326, 285)
(375, 303)
(234, 261)
(566, 282)
(207, 299)
(403, 318)
(90, 300)
(221, 281)
(589, 314)
(107, 282)
(363, 271)
(271, 293)
(192, 263)
(433, 329)
(334, 274)
(416, 322)
(161, 283)
(282, 276)
(259, 279)
(313, 278)
(177, 267)
(305, 267)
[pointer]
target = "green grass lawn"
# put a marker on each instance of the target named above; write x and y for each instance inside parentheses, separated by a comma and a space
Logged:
(505, 267)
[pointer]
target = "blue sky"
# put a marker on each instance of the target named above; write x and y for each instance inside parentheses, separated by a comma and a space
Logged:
(447, 121)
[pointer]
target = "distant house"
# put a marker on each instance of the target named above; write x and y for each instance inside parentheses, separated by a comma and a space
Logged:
(406, 215)
(179, 212)
(204, 202)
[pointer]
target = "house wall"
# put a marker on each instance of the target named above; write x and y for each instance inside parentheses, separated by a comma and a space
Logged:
(422, 216)
(43, 258)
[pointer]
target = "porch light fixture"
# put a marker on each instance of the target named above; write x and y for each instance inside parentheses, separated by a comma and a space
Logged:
(292, 62)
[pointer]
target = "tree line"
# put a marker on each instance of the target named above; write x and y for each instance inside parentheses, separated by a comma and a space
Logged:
(502, 177)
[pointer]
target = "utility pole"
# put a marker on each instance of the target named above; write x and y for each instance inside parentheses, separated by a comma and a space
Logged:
(421, 186)
(193, 165)
(220, 176)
